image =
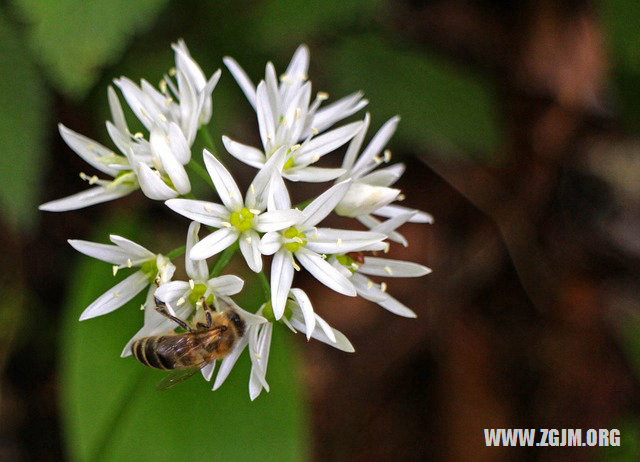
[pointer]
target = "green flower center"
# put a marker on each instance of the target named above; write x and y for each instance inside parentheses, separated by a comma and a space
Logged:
(126, 177)
(242, 220)
(300, 239)
(346, 261)
(150, 268)
(197, 293)
(288, 164)
(267, 312)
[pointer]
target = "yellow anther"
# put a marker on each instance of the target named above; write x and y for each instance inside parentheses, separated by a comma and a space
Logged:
(116, 294)
(192, 284)
(295, 266)
(141, 307)
(163, 86)
(322, 95)
(255, 211)
(339, 243)
(180, 301)
(377, 159)
(208, 208)
(172, 71)
(226, 224)
(314, 130)
(387, 155)
(129, 263)
(401, 197)
(387, 270)
(138, 135)
(115, 269)
(369, 284)
(383, 286)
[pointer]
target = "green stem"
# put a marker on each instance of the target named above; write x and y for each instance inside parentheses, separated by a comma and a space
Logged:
(303, 204)
(176, 252)
(201, 172)
(224, 259)
(208, 141)
(265, 286)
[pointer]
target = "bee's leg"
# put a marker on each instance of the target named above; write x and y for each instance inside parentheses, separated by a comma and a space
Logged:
(209, 320)
(161, 308)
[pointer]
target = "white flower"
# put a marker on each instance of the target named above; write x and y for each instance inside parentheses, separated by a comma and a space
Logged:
(154, 269)
(287, 118)
(182, 297)
(384, 267)
(186, 103)
(299, 316)
(237, 219)
(370, 190)
(307, 243)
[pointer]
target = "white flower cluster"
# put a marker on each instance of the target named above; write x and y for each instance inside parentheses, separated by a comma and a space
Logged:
(295, 132)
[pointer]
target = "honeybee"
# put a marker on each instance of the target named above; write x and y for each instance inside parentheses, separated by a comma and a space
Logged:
(190, 351)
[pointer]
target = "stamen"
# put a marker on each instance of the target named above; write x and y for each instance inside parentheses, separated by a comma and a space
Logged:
(129, 263)
(172, 71)
(322, 95)
(387, 155)
(295, 266)
(297, 114)
(339, 243)
(226, 224)
(248, 239)
(180, 301)
(116, 294)
(142, 307)
(255, 211)
(191, 284)
(401, 197)
(163, 86)
(252, 188)
(383, 286)
(208, 208)
(324, 256)
(168, 101)
(314, 130)
(138, 135)
(377, 159)
(387, 270)
(295, 147)
(115, 269)
(369, 284)
(386, 249)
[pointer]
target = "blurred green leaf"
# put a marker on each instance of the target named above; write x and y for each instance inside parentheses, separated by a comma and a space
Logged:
(283, 22)
(620, 20)
(629, 449)
(112, 410)
(23, 105)
(74, 39)
(441, 107)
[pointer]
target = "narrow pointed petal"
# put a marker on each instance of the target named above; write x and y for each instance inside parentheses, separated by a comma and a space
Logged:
(266, 118)
(135, 250)
(276, 220)
(372, 223)
(117, 296)
(228, 362)
(214, 243)
(281, 280)
(334, 241)
(337, 111)
(270, 243)
(278, 195)
(152, 185)
(324, 272)
(362, 199)
(367, 289)
(258, 192)
(355, 144)
(160, 145)
(299, 64)
(179, 144)
(90, 151)
(307, 310)
(246, 154)
(171, 291)
(207, 371)
(105, 252)
(341, 342)
(207, 213)
(393, 210)
(313, 174)
(366, 161)
(260, 361)
(390, 225)
(326, 143)
(386, 267)
(242, 78)
(249, 246)
(384, 176)
(227, 284)
(322, 206)
(195, 269)
(117, 114)
(89, 197)
(225, 185)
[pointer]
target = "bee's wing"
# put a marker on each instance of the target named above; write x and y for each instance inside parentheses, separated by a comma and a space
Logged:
(176, 377)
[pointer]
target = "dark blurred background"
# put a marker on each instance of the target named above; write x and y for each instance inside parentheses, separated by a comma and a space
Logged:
(520, 127)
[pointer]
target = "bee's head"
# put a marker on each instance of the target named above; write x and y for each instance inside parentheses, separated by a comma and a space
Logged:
(236, 320)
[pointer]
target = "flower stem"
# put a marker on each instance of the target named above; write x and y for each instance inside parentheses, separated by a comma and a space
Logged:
(265, 286)
(208, 141)
(223, 260)
(176, 252)
(303, 204)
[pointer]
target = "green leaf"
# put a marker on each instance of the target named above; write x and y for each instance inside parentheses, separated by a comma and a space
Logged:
(441, 106)
(23, 105)
(74, 39)
(112, 410)
(620, 21)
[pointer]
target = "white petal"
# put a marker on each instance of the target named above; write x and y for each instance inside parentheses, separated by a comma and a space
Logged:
(207, 371)
(117, 296)
(195, 269)
(341, 342)
(276, 220)
(117, 114)
(225, 185)
(91, 151)
(207, 213)
(281, 279)
(322, 206)
(257, 380)
(338, 110)
(228, 362)
(307, 310)
(367, 289)
(386, 267)
(243, 80)
(334, 241)
(313, 174)
(362, 199)
(393, 210)
(179, 144)
(249, 246)
(323, 144)
(257, 194)
(89, 197)
(366, 161)
(172, 291)
(152, 185)
(299, 64)
(324, 272)
(135, 251)
(246, 154)
(395, 307)
(390, 225)
(160, 146)
(105, 252)
(266, 118)
(384, 176)
(227, 284)
(372, 223)
(278, 195)
(356, 144)
(270, 243)
(214, 243)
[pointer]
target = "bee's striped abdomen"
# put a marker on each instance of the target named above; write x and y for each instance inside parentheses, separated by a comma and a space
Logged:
(145, 350)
